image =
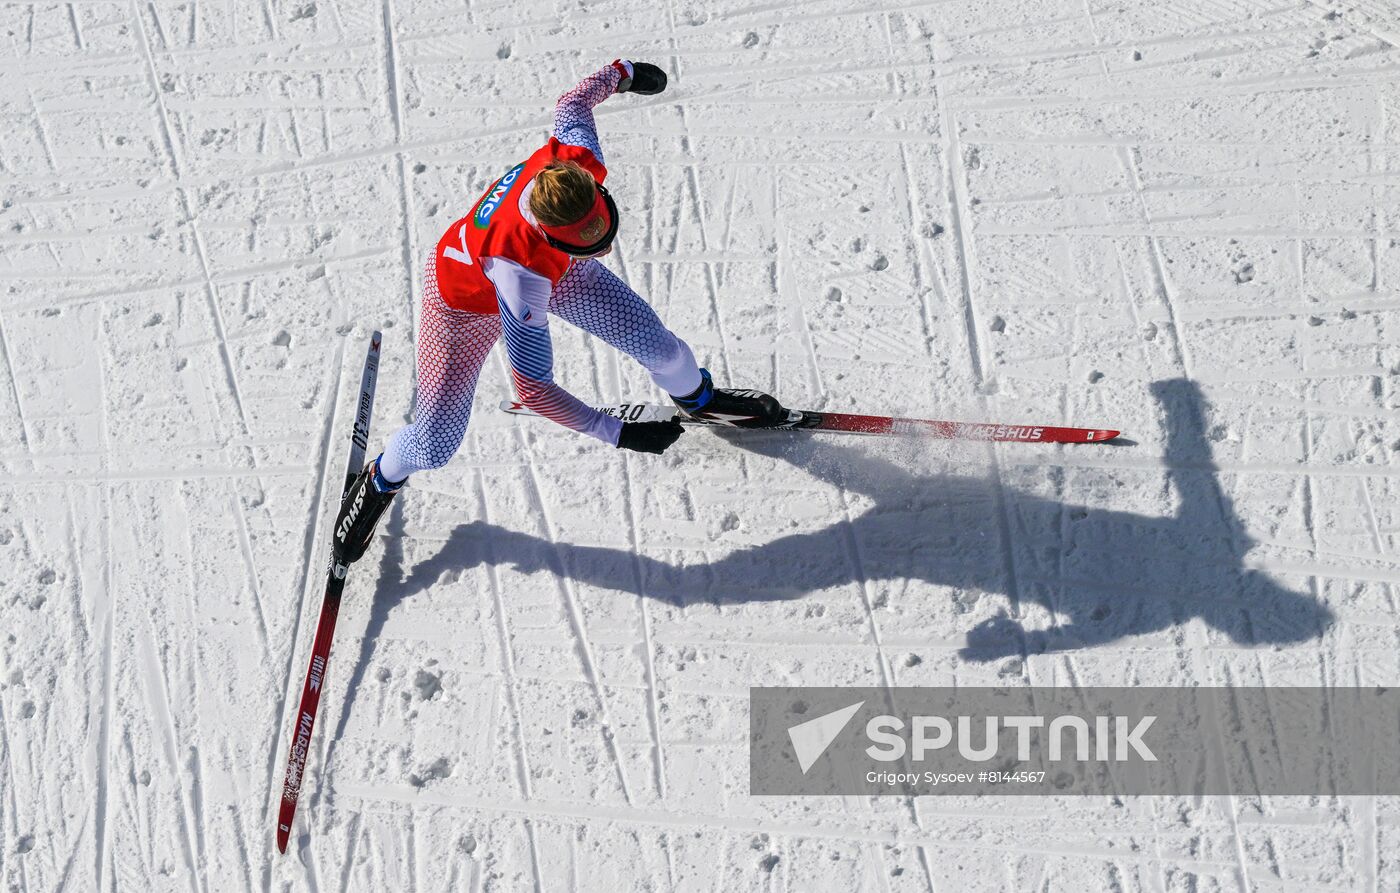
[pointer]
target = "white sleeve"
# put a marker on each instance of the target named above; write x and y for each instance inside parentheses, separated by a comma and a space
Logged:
(523, 297)
(525, 292)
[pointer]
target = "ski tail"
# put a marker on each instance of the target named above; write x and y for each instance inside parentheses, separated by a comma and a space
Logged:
(330, 610)
(306, 712)
(880, 425)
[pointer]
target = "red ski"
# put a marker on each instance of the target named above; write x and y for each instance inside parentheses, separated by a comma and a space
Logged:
(330, 609)
(891, 426)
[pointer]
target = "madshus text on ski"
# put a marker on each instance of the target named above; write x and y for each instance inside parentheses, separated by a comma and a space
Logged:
(529, 249)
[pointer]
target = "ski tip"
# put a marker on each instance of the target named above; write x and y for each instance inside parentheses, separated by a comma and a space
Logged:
(282, 834)
(1102, 436)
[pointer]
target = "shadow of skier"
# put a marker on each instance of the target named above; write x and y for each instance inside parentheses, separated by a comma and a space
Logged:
(1106, 574)
(1140, 574)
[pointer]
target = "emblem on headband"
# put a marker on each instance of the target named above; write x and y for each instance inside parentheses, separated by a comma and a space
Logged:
(594, 230)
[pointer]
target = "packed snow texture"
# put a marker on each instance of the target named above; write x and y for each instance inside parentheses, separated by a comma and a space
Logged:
(1177, 219)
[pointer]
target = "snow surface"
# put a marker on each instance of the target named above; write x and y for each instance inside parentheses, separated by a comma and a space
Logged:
(1174, 218)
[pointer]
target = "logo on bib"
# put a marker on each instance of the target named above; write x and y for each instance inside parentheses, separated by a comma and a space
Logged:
(481, 217)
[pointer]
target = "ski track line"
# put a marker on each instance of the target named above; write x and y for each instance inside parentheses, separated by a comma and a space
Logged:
(1239, 181)
(508, 676)
(576, 622)
(104, 490)
(786, 288)
(693, 184)
(406, 244)
(886, 674)
(1193, 226)
(957, 193)
(191, 686)
(5, 355)
(1390, 39)
(237, 275)
(245, 547)
(158, 699)
(1309, 480)
(566, 586)
(241, 831)
(196, 445)
(960, 214)
(72, 860)
(87, 633)
(40, 127)
(1062, 530)
(1378, 209)
(955, 178)
(197, 238)
(962, 224)
(107, 626)
(414, 855)
(1242, 313)
(635, 543)
(352, 834)
(1194, 631)
(739, 828)
(1236, 468)
(1259, 85)
(648, 642)
(8, 754)
(197, 856)
(1373, 525)
(177, 475)
(923, 254)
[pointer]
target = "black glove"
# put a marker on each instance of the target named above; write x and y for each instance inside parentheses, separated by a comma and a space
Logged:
(646, 79)
(649, 437)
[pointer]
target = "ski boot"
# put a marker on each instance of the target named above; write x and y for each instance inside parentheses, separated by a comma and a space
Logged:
(364, 504)
(735, 408)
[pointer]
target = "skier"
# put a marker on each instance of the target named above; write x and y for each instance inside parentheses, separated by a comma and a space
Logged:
(529, 248)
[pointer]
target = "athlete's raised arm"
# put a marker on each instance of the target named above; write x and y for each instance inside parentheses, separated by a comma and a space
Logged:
(573, 115)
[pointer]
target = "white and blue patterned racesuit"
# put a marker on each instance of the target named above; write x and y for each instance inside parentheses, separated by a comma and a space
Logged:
(453, 344)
